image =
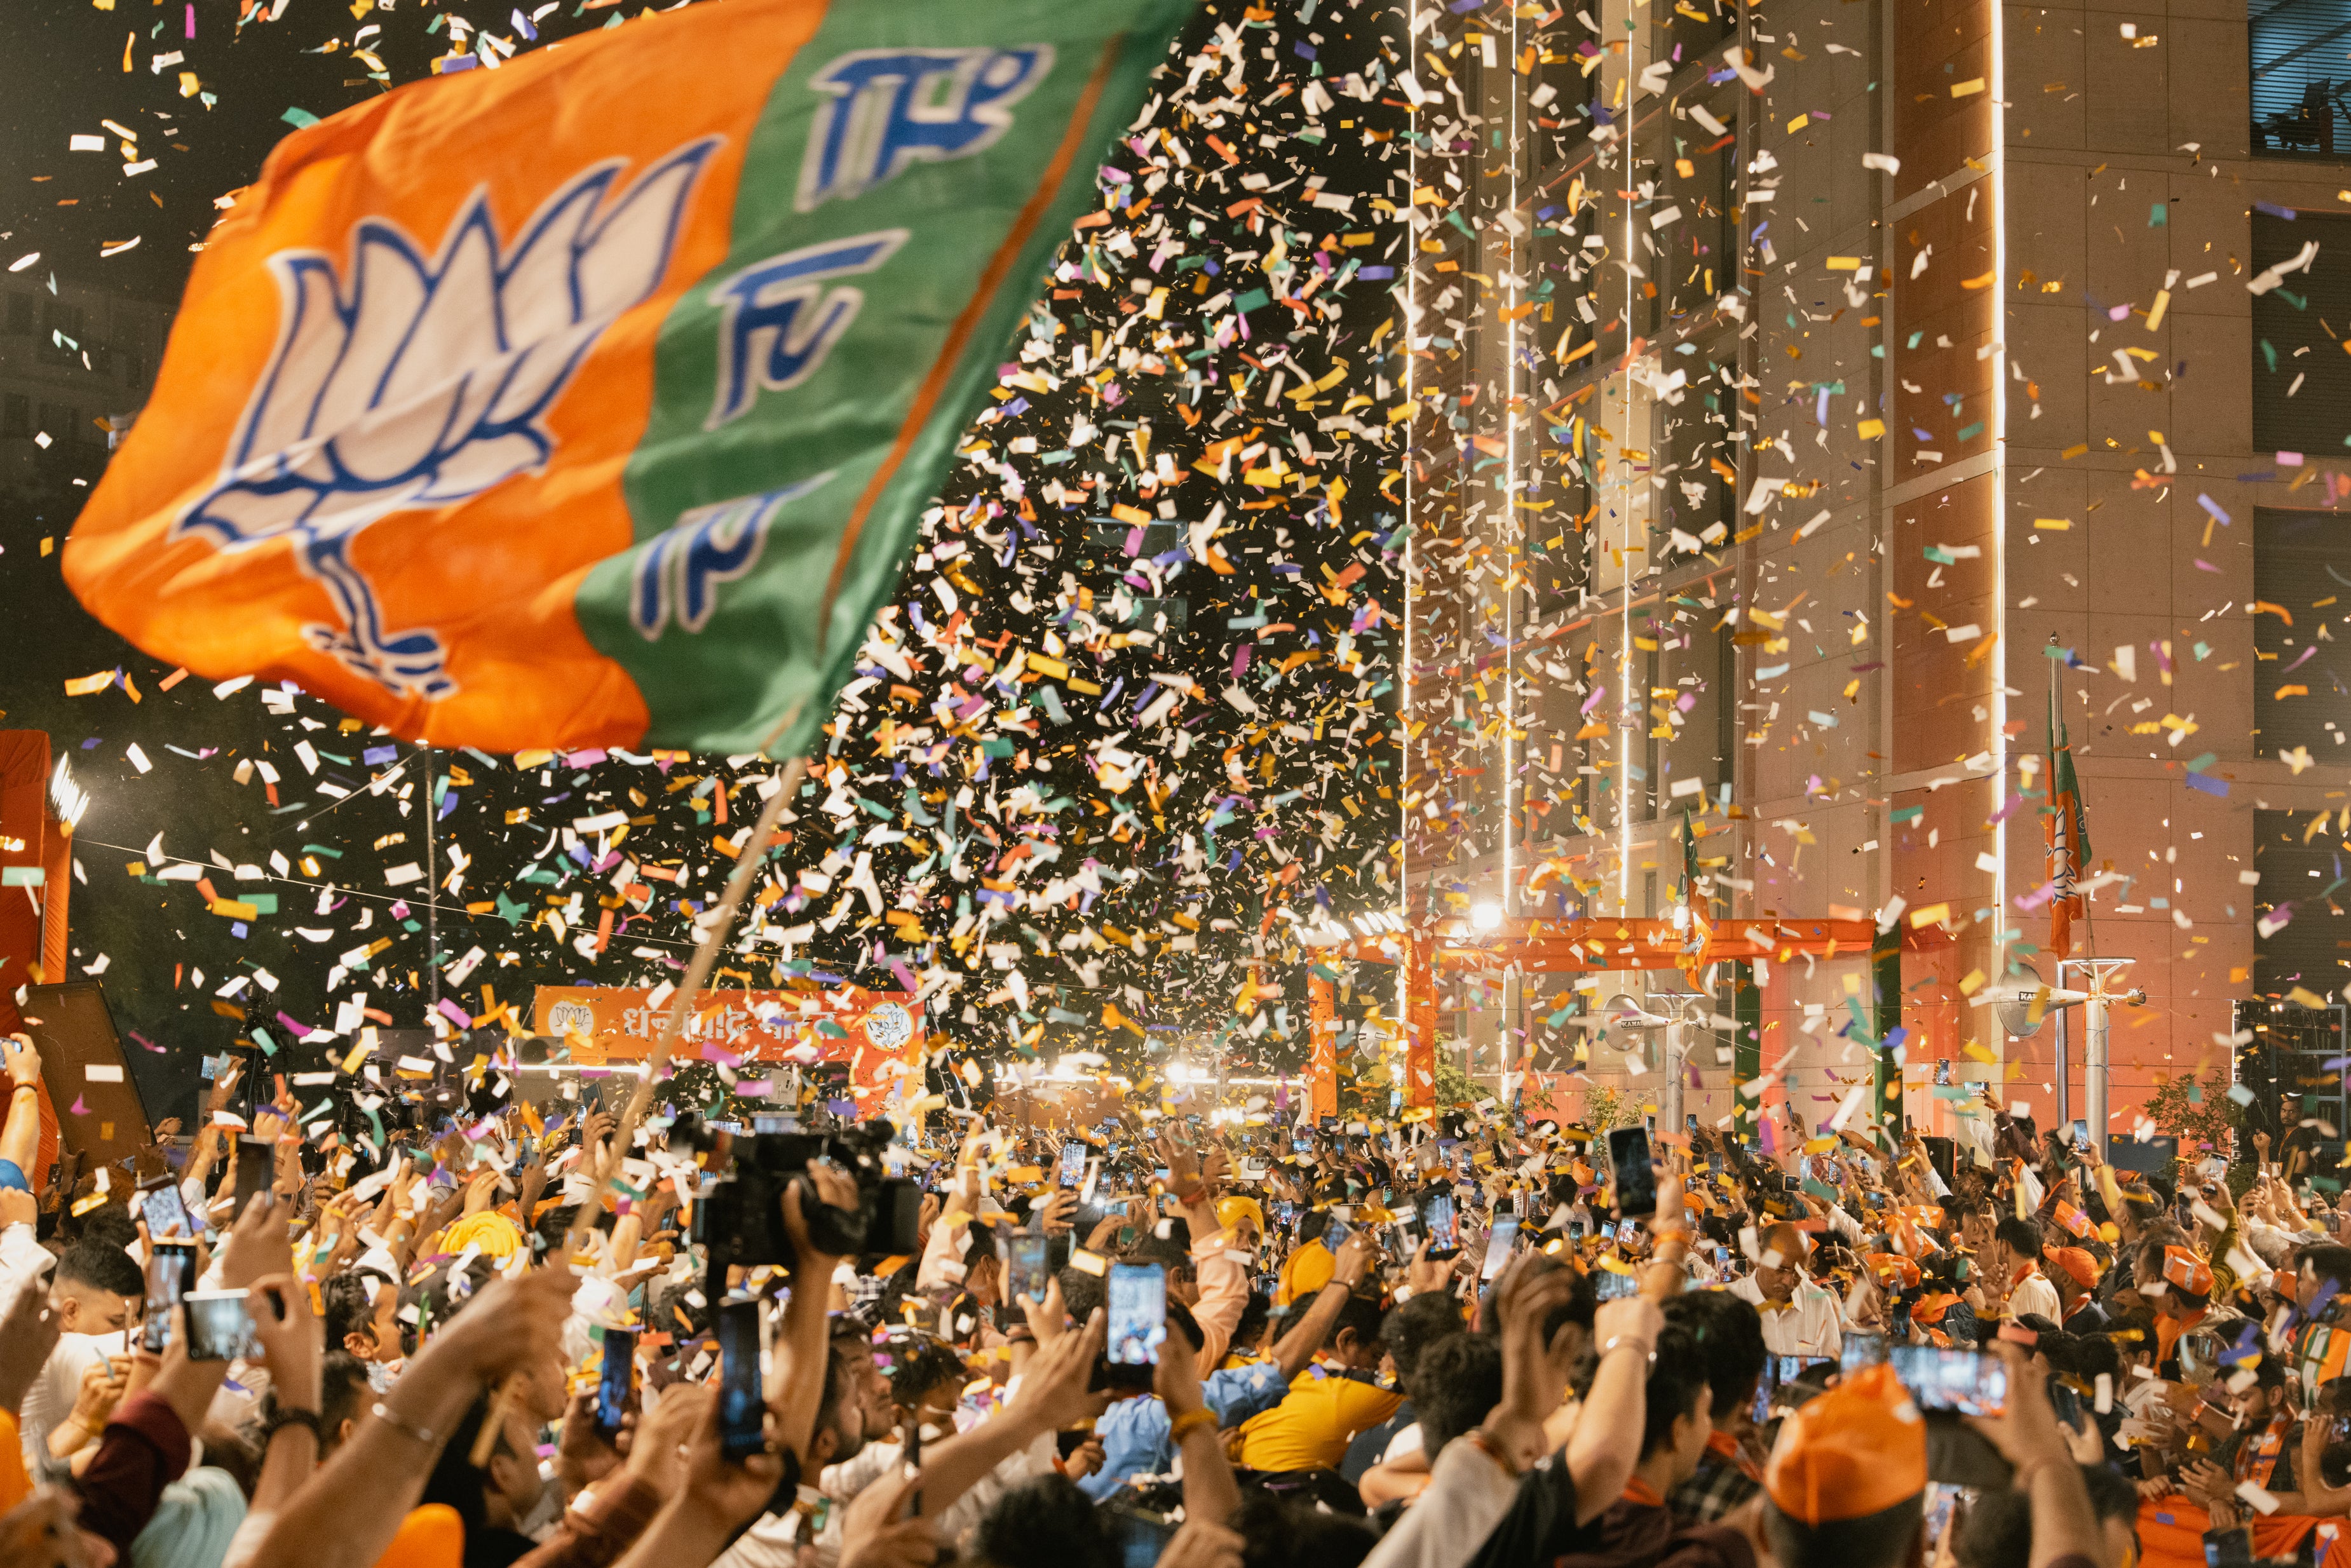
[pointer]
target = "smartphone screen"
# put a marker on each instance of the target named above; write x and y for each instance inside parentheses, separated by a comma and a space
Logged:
(253, 1171)
(171, 1275)
(1964, 1381)
(742, 1395)
(1764, 1384)
(615, 1383)
(219, 1327)
(1861, 1350)
(1499, 1245)
(1138, 1313)
(1607, 1285)
(1073, 1163)
(2081, 1134)
(1636, 1184)
(1439, 1219)
(1335, 1232)
(166, 1214)
(1025, 1274)
(2068, 1404)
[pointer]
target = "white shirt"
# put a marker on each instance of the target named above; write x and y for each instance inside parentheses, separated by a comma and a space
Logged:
(1807, 1327)
(51, 1398)
(1467, 1495)
(773, 1542)
(23, 1261)
(2035, 1293)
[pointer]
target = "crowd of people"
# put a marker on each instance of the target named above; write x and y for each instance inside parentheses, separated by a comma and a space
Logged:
(558, 1337)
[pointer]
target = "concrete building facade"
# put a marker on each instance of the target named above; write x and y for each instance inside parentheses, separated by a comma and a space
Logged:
(1803, 390)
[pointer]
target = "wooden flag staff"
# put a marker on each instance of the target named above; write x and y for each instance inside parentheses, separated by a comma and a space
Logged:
(748, 862)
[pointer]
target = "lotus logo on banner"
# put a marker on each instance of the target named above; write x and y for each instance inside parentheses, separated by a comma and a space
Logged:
(571, 1017)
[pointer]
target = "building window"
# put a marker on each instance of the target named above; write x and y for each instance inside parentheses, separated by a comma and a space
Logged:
(2302, 667)
(1691, 31)
(20, 315)
(15, 416)
(1696, 176)
(2300, 938)
(59, 420)
(2301, 384)
(2300, 78)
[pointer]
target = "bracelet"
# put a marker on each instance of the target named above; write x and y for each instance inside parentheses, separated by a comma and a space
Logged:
(424, 1435)
(282, 1419)
(1190, 1422)
(1631, 1341)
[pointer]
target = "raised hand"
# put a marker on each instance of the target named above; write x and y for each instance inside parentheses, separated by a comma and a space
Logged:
(27, 1333)
(257, 1244)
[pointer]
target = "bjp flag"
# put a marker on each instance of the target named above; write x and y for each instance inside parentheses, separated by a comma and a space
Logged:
(594, 400)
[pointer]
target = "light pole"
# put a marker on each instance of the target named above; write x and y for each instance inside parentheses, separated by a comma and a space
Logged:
(1624, 1013)
(2020, 1016)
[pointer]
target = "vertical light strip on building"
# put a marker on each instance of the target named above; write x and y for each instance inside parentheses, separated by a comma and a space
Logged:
(1510, 485)
(1627, 709)
(1403, 464)
(1998, 296)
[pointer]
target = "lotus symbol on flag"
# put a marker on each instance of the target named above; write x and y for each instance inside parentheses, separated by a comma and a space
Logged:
(427, 382)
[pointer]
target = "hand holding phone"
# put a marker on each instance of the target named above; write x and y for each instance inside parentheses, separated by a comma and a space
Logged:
(616, 1381)
(1440, 1218)
(219, 1326)
(1138, 1324)
(1636, 1181)
(1025, 1270)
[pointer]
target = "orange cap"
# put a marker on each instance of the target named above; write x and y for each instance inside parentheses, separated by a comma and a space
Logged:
(1891, 1267)
(1858, 1449)
(2076, 1262)
(2186, 1270)
(1930, 1309)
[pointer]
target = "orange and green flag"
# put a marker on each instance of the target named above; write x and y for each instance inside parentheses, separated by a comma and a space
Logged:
(2067, 830)
(594, 400)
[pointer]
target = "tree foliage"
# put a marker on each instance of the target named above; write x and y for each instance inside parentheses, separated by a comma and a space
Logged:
(2196, 1113)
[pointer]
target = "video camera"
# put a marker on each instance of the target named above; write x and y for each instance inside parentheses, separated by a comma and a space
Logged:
(740, 1217)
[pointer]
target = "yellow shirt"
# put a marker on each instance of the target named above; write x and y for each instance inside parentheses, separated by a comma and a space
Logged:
(1310, 1429)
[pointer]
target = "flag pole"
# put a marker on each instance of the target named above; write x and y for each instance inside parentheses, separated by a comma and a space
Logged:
(2063, 1065)
(748, 860)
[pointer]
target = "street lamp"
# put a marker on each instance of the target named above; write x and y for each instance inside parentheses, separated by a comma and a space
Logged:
(1485, 917)
(2024, 1008)
(1624, 1013)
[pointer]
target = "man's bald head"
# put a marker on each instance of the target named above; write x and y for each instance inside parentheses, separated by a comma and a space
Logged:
(1779, 1266)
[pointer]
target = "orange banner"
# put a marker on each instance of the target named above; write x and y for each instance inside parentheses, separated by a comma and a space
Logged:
(1419, 1026)
(879, 1034)
(1322, 1010)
